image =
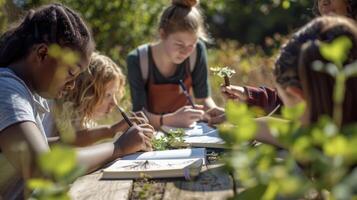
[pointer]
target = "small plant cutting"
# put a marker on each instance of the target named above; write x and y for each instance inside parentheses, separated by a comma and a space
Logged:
(172, 140)
(224, 72)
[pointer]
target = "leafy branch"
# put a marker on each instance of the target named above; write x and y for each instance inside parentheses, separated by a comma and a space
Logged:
(173, 139)
(60, 169)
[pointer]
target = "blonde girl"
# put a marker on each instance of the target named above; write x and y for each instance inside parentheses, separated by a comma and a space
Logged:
(95, 95)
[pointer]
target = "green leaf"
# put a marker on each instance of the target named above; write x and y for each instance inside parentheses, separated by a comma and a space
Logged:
(245, 126)
(286, 4)
(60, 161)
(70, 57)
(318, 136)
(74, 174)
(225, 132)
(40, 184)
(279, 127)
(252, 193)
(336, 51)
(290, 185)
(173, 139)
(55, 51)
(301, 147)
(293, 113)
(271, 191)
(223, 71)
(336, 146)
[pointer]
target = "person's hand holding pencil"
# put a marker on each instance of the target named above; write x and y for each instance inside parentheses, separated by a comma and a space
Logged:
(136, 138)
(185, 116)
(186, 93)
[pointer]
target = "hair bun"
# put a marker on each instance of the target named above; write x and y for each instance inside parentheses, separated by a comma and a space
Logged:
(186, 3)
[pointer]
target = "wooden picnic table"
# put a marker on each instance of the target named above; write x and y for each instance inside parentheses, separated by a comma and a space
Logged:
(212, 183)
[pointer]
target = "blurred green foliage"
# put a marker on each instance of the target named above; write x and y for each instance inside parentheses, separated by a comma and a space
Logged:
(319, 160)
(121, 25)
(251, 21)
(245, 33)
(59, 169)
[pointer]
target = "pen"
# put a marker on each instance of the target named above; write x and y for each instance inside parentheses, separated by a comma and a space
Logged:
(184, 89)
(126, 118)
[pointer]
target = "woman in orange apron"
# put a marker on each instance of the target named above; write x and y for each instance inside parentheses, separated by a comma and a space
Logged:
(154, 70)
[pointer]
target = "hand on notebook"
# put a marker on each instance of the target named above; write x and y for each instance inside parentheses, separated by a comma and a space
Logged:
(184, 117)
(234, 92)
(215, 115)
(136, 138)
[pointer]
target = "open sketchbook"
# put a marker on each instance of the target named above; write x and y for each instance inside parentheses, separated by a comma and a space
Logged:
(199, 135)
(185, 163)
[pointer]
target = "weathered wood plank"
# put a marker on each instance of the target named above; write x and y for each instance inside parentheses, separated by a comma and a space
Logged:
(148, 189)
(91, 187)
(213, 183)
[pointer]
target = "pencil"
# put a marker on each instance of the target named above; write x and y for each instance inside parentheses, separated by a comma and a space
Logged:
(126, 118)
(188, 96)
(272, 112)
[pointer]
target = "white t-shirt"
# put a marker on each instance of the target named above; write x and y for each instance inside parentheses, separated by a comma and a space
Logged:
(18, 103)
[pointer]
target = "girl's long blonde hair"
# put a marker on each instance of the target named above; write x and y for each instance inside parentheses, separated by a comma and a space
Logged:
(90, 89)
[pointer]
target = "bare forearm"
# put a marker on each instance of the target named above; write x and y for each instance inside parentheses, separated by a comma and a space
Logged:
(154, 119)
(95, 156)
(207, 102)
(21, 144)
(89, 136)
(86, 137)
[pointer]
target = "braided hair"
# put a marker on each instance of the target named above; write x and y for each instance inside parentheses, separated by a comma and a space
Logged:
(49, 24)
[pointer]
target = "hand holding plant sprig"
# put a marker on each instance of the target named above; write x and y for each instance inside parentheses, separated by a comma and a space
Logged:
(224, 72)
(326, 149)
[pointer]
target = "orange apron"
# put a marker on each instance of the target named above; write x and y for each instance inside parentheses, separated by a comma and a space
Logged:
(167, 97)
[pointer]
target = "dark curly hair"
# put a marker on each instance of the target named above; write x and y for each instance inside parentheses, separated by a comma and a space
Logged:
(323, 29)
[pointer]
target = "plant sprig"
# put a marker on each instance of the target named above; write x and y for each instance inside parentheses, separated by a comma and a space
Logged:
(224, 72)
(173, 139)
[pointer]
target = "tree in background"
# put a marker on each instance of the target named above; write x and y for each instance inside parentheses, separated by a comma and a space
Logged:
(121, 25)
(251, 21)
